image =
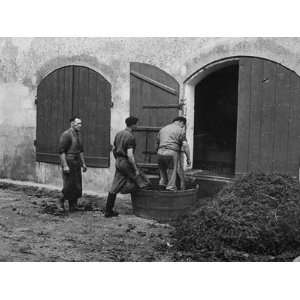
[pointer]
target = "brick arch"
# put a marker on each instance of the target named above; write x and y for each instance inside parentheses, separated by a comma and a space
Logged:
(219, 63)
(80, 60)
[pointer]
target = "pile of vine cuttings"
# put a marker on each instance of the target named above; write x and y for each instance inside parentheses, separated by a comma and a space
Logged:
(256, 218)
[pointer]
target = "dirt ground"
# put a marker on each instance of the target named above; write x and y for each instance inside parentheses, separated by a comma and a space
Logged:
(32, 230)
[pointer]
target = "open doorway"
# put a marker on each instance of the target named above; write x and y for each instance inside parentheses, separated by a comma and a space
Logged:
(215, 121)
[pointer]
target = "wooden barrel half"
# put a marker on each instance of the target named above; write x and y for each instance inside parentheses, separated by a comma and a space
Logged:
(163, 205)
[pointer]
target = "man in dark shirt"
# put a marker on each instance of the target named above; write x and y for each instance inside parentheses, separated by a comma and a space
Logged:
(127, 176)
(72, 159)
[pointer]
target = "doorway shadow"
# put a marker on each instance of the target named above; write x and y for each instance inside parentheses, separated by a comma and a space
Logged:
(215, 121)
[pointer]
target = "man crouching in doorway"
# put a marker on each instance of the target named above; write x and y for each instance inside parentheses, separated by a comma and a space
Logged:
(72, 160)
(127, 176)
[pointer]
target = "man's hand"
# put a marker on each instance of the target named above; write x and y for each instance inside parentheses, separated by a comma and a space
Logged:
(84, 168)
(137, 172)
(66, 169)
(188, 162)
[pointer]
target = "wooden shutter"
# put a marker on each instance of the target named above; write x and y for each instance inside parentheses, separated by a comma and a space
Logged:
(154, 99)
(268, 136)
(68, 91)
(54, 109)
(92, 102)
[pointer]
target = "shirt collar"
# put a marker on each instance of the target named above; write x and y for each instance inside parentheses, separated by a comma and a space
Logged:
(74, 132)
(176, 124)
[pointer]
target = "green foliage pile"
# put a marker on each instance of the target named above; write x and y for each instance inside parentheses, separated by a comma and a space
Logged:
(257, 218)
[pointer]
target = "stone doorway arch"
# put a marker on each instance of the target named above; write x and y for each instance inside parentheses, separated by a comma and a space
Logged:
(267, 122)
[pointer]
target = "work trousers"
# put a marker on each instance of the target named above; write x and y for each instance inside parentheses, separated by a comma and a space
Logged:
(72, 181)
(125, 180)
(171, 169)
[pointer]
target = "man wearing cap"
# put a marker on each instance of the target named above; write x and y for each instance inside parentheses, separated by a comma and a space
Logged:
(72, 160)
(171, 140)
(127, 176)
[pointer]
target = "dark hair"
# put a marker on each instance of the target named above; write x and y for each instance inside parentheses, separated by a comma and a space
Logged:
(73, 118)
(131, 121)
(180, 119)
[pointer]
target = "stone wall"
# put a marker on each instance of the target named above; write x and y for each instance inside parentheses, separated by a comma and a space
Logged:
(24, 62)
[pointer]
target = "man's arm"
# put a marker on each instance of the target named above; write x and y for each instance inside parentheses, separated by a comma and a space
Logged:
(132, 160)
(157, 142)
(186, 150)
(84, 167)
(186, 147)
(64, 144)
(64, 163)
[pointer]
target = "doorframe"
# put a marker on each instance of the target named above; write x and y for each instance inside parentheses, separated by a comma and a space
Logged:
(189, 84)
(188, 91)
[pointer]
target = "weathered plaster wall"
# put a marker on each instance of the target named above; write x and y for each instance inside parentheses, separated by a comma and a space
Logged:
(25, 61)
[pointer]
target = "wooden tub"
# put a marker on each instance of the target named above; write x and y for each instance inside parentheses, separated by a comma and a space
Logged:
(163, 205)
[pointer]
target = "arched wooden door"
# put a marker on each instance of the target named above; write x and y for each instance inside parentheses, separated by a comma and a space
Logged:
(154, 99)
(268, 129)
(68, 91)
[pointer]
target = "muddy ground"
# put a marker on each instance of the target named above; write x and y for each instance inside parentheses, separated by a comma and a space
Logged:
(31, 229)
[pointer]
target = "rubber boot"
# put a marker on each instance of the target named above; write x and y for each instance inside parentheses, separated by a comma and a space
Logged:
(73, 205)
(110, 202)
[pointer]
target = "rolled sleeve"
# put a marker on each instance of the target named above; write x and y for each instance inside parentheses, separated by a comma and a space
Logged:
(130, 143)
(64, 143)
(182, 136)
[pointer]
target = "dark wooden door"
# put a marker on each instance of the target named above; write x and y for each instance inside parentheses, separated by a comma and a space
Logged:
(268, 134)
(54, 109)
(92, 102)
(68, 91)
(154, 99)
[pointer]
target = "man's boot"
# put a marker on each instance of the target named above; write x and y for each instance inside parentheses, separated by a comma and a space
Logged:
(75, 206)
(71, 206)
(110, 202)
(61, 204)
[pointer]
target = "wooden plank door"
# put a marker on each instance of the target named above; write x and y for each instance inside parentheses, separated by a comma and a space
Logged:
(268, 135)
(92, 102)
(154, 99)
(54, 102)
(69, 91)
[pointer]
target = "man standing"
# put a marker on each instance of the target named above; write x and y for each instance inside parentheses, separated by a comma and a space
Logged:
(72, 160)
(127, 175)
(171, 140)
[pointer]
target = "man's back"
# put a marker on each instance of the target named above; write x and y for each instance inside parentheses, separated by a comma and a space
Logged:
(124, 140)
(171, 137)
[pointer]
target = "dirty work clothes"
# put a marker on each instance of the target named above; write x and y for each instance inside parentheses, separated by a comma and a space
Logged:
(70, 142)
(125, 180)
(125, 172)
(171, 137)
(124, 140)
(72, 182)
(168, 167)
